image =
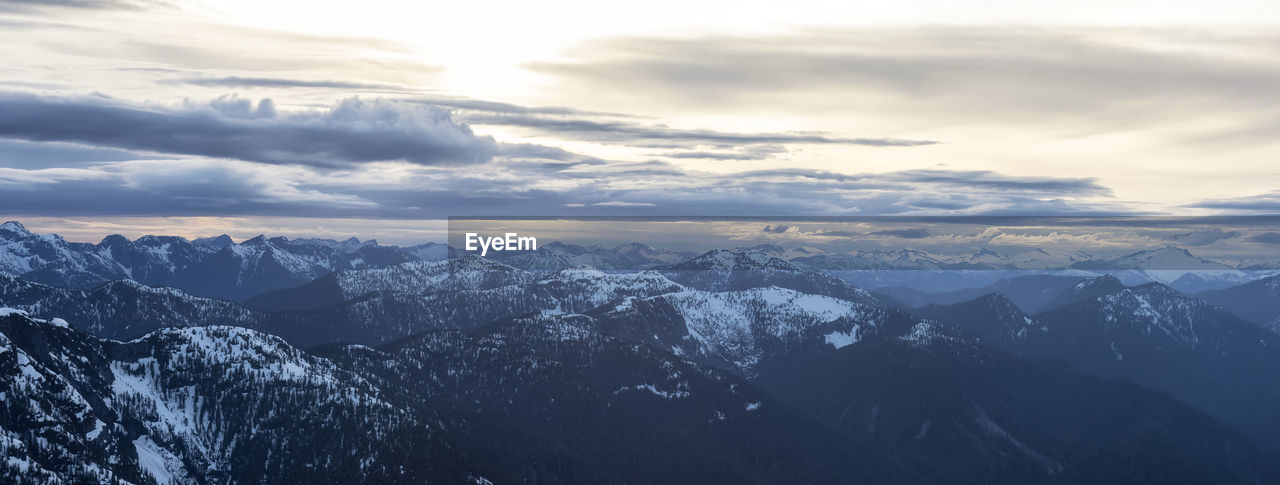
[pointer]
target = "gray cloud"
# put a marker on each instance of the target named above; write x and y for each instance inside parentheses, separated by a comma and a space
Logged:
(463, 104)
(987, 179)
(30, 155)
(970, 180)
(1203, 237)
(1267, 238)
(946, 72)
(637, 134)
(227, 188)
(749, 152)
(1264, 203)
(352, 131)
(915, 233)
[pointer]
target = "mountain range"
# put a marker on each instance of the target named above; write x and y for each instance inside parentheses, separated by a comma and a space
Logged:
(730, 366)
(215, 267)
(218, 267)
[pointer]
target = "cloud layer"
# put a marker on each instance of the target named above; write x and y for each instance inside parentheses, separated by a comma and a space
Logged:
(219, 187)
(352, 131)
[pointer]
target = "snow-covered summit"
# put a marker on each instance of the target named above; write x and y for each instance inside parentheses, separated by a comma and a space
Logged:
(14, 227)
(1165, 258)
(730, 260)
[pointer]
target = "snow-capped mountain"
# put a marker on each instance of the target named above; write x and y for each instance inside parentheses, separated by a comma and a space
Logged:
(259, 264)
(738, 329)
(123, 309)
(895, 259)
(1166, 258)
(493, 372)
(349, 245)
(195, 405)
(778, 251)
(51, 259)
(725, 270)
(215, 267)
(548, 396)
(534, 398)
(1037, 259)
(413, 278)
(377, 305)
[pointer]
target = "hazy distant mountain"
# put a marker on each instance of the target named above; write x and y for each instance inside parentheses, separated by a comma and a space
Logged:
(431, 251)
(781, 252)
(1166, 258)
(874, 260)
(1034, 259)
(993, 318)
(1151, 335)
(1257, 301)
(961, 413)
(1030, 293)
(1193, 282)
(1084, 290)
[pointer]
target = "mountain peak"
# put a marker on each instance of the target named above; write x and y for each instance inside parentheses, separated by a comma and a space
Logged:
(114, 240)
(152, 239)
(1105, 281)
(214, 242)
(14, 227)
(1156, 288)
(1172, 251)
(990, 306)
(725, 259)
(1088, 289)
(1165, 258)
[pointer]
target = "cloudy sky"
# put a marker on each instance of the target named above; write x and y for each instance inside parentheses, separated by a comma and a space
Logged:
(379, 118)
